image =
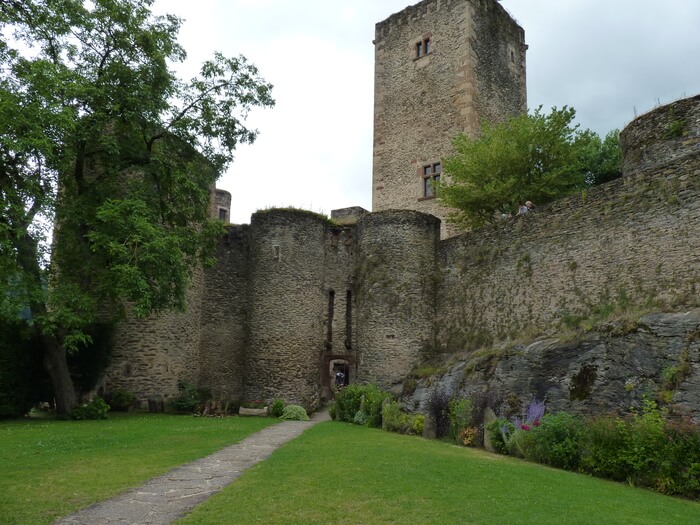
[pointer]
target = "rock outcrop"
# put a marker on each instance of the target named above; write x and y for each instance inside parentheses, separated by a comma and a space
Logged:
(606, 371)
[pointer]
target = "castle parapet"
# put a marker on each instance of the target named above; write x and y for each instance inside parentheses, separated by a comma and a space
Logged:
(664, 136)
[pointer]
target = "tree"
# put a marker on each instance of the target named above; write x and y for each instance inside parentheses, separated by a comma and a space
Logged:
(532, 156)
(99, 137)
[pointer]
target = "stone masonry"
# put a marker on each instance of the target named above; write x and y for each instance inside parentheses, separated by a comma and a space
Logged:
(294, 295)
(442, 67)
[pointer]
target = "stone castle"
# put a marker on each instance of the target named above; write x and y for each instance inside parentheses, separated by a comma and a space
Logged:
(295, 297)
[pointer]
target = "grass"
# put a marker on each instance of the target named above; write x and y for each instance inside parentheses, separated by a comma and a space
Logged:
(339, 473)
(333, 473)
(51, 468)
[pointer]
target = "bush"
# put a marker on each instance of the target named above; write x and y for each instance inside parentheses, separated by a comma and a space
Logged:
(365, 398)
(500, 431)
(294, 413)
(394, 419)
(558, 441)
(277, 408)
(439, 411)
(605, 440)
(120, 400)
(95, 409)
(191, 398)
(460, 412)
(679, 470)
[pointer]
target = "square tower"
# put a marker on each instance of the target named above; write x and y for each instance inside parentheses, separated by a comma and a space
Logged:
(441, 67)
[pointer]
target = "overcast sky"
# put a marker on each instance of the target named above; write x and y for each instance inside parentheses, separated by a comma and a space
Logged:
(609, 59)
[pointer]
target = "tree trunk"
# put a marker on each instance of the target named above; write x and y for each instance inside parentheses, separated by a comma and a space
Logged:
(56, 363)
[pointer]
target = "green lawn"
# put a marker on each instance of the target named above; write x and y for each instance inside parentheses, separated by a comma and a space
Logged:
(343, 474)
(333, 473)
(49, 469)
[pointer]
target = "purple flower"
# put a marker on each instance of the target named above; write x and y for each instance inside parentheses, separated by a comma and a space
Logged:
(535, 411)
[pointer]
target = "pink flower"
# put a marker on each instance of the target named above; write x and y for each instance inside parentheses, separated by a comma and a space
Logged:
(525, 427)
(536, 422)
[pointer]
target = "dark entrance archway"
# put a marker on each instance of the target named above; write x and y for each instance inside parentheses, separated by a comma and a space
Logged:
(338, 370)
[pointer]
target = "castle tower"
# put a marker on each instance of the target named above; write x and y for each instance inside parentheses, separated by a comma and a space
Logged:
(288, 303)
(441, 67)
(395, 281)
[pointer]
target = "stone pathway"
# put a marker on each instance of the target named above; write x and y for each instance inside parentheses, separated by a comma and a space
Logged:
(168, 497)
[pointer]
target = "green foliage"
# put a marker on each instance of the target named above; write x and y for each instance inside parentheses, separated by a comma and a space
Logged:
(356, 398)
(277, 408)
(91, 107)
(294, 413)
(94, 409)
(121, 400)
(534, 157)
(190, 398)
(645, 449)
(394, 419)
(460, 411)
(556, 441)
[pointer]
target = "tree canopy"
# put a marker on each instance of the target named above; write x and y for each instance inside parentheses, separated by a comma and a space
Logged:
(99, 137)
(533, 156)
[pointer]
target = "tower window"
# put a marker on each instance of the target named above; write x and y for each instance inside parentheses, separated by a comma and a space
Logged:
(431, 177)
(223, 214)
(423, 47)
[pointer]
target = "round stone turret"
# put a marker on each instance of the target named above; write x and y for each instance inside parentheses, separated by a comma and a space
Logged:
(287, 304)
(664, 136)
(395, 281)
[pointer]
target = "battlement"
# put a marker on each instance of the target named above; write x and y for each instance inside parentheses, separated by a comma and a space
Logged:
(661, 137)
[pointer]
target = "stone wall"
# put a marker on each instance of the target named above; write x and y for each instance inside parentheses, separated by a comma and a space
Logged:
(633, 241)
(664, 135)
(225, 306)
(152, 354)
(475, 70)
(395, 283)
(288, 301)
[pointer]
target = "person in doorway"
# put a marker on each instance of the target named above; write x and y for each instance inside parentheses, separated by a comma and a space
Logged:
(339, 378)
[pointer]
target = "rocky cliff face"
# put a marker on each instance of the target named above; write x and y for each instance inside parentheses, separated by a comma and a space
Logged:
(610, 370)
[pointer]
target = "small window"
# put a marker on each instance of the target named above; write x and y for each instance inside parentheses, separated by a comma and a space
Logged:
(431, 177)
(223, 214)
(423, 47)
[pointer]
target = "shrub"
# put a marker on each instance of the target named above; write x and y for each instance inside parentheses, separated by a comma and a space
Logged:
(604, 442)
(361, 417)
(121, 400)
(439, 411)
(469, 436)
(460, 411)
(679, 470)
(557, 441)
(190, 399)
(355, 398)
(95, 409)
(500, 432)
(294, 413)
(277, 408)
(394, 419)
